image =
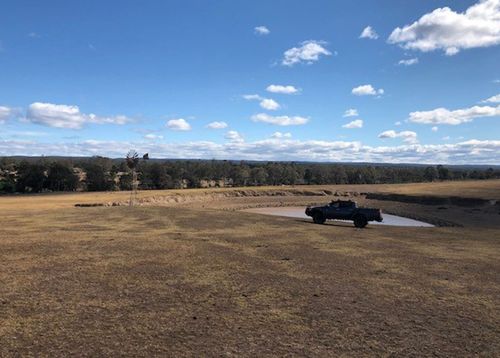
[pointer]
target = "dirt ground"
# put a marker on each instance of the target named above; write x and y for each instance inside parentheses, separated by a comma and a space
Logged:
(199, 278)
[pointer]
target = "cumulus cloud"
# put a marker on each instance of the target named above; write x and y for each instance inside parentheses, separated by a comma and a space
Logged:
(279, 135)
(266, 103)
(262, 30)
(459, 116)
(358, 123)
(269, 104)
(467, 152)
(407, 136)
(282, 89)
(368, 33)
(434, 129)
(217, 125)
(279, 120)
(308, 52)
(408, 62)
(398, 123)
(179, 124)
(234, 136)
(351, 112)
(64, 116)
(367, 90)
(447, 30)
(493, 99)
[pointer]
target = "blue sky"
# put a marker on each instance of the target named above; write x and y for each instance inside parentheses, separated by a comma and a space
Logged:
(94, 77)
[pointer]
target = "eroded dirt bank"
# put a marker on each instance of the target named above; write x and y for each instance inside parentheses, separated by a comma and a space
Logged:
(437, 210)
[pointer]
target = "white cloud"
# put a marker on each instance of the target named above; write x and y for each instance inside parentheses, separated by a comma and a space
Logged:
(368, 33)
(6, 113)
(262, 30)
(434, 129)
(351, 112)
(280, 120)
(408, 62)
(252, 97)
(269, 104)
(266, 103)
(467, 152)
(445, 29)
(280, 135)
(459, 116)
(367, 90)
(388, 134)
(493, 99)
(234, 136)
(446, 138)
(64, 116)
(282, 89)
(358, 123)
(398, 123)
(179, 124)
(217, 125)
(407, 136)
(308, 52)
(152, 136)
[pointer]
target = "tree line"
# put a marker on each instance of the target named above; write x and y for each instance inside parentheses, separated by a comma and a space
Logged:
(36, 175)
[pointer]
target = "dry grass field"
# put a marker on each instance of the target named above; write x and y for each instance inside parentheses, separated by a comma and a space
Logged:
(195, 277)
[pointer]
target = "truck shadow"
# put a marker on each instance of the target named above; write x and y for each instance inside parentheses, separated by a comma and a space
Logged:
(333, 223)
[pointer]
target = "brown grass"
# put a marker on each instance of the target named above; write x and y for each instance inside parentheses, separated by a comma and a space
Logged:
(178, 281)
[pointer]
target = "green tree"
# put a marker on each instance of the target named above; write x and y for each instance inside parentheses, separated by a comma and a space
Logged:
(431, 174)
(443, 172)
(258, 176)
(159, 177)
(98, 179)
(60, 177)
(31, 177)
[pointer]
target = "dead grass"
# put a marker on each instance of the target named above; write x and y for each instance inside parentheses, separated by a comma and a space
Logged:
(177, 281)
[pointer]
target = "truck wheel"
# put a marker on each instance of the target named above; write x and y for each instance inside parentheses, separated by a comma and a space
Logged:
(360, 221)
(318, 218)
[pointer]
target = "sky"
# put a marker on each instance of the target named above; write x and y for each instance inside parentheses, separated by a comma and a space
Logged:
(386, 81)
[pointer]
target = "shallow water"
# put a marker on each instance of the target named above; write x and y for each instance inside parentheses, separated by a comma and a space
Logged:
(299, 212)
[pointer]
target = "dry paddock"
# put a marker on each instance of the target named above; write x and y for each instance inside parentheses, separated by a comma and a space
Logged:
(192, 281)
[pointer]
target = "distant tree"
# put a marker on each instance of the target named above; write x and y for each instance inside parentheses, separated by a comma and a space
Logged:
(31, 177)
(125, 182)
(431, 174)
(240, 174)
(443, 172)
(258, 176)
(60, 177)
(159, 177)
(98, 179)
(7, 184)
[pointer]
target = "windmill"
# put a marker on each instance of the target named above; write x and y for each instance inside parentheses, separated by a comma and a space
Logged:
(132, 160)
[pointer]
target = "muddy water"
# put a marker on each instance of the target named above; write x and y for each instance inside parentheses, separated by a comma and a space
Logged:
(298, 212)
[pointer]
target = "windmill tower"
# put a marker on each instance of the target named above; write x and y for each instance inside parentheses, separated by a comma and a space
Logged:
(132, 160)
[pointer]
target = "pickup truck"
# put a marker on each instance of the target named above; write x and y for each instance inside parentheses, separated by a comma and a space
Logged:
(344, 210)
